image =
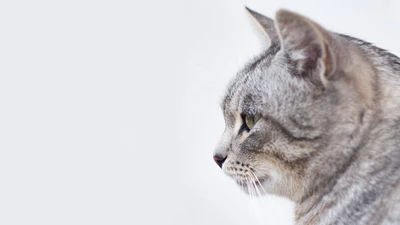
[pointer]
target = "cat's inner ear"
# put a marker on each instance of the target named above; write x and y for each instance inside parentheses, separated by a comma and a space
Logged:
(307, 44)
(266, 27)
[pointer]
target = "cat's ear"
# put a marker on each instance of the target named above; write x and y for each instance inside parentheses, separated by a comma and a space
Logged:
(266, 26)
(308, 45)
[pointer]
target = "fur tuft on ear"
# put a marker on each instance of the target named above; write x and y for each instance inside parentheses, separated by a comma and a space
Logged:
(307, 44)
(266, 25)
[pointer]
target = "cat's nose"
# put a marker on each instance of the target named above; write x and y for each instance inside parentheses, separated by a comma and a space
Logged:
(219, 159)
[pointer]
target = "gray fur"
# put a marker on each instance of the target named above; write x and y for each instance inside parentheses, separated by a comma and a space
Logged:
(329, 133)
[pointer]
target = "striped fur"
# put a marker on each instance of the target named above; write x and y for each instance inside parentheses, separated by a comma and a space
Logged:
(329, 133)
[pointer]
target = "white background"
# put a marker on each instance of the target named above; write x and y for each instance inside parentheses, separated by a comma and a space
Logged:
(109, 109)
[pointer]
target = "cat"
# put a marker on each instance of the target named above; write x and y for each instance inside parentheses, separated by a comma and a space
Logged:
(316, 119)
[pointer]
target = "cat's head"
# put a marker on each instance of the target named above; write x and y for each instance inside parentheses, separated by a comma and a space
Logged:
(286, 107)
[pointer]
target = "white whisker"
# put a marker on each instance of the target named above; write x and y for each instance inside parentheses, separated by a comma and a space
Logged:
(262, 188)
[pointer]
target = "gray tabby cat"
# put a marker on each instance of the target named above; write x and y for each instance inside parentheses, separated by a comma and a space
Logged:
(316, 118)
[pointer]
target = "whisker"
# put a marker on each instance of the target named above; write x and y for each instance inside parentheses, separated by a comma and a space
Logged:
(254, 175)
(249, 191)
(260, 189)
(240, 182)
(252, 189)
(255, 185)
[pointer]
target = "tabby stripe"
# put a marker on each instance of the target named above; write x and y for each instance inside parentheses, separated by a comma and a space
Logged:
(289, 134)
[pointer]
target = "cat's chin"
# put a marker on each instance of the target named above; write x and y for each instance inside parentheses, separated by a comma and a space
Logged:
(253, 188)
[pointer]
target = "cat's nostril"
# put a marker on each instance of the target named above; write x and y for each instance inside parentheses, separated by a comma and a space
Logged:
(219, 160)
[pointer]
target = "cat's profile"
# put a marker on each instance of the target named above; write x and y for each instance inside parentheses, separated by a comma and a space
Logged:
(316, 118)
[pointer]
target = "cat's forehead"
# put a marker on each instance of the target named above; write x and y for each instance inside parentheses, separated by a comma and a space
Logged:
(264, 85)
(245, 84)
(257, 82)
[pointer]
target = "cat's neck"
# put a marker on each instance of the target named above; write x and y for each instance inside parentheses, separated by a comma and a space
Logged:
(361, 185)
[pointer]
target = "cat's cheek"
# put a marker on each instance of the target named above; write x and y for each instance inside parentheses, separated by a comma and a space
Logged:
(276, 178)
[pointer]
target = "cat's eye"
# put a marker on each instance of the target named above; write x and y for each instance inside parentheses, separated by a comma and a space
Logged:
(251, 120)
